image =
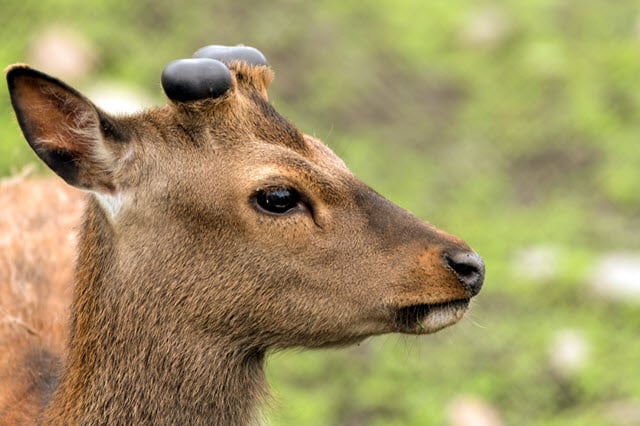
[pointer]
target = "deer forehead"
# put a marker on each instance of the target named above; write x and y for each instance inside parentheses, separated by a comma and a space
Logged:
(243, 135)
(241, 170)
(241, 114)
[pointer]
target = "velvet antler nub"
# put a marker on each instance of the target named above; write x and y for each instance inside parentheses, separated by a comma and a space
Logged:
(228, 54)
(193, 79)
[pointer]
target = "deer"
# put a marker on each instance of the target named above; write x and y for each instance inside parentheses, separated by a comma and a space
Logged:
(214, 232)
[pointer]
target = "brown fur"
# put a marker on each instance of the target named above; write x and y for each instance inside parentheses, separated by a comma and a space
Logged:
(182, 283)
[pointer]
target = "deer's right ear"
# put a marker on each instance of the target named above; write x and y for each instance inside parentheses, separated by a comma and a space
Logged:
(70, 134)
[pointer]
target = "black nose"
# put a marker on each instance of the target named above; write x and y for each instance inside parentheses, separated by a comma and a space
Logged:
(468, 267)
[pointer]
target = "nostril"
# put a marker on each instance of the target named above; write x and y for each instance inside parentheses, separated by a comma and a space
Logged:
(468, 268)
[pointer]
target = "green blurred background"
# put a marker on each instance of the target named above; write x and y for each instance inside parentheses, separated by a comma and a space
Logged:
(512, 124)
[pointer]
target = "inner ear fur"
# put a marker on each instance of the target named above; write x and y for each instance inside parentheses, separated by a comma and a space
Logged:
(66, 130)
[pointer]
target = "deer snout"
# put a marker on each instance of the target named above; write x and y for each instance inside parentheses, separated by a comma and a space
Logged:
(468, 268)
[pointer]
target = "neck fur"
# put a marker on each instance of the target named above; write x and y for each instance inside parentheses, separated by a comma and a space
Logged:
(125, 366)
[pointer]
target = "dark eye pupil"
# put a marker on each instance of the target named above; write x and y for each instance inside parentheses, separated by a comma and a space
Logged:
(278, 200)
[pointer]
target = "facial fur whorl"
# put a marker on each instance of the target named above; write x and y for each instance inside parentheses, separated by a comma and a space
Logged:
(213, 71)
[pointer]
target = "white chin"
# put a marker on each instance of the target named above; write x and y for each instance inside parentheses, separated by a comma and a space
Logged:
(441, 317)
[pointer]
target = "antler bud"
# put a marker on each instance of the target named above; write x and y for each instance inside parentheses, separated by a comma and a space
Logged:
(187, 80)
(228, 54)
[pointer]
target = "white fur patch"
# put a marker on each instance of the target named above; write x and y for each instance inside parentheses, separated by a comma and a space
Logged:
(110, 203)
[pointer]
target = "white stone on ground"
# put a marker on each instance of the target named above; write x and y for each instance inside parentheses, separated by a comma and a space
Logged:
(616, 276)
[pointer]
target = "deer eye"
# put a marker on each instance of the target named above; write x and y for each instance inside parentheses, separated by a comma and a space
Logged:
(278, 200)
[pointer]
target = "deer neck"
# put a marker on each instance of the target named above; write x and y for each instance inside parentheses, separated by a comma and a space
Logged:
(127, 366)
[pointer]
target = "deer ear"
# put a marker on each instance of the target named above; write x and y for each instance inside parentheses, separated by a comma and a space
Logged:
(70, 134)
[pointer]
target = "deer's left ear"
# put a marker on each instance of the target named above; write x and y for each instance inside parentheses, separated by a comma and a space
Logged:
(70, 134)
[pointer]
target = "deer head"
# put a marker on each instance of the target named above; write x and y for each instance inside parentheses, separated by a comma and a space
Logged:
(214, 219)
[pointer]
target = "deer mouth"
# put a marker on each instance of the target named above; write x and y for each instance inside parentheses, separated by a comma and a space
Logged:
(430, 317)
